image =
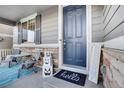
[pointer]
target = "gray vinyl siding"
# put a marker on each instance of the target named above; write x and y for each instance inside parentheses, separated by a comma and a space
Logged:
(7, 43)
(15, 35)
(114, 22)
(105, 12)
(97, 24)
(50, 26)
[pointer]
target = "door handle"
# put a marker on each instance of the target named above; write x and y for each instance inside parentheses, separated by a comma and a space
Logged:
(64, 43)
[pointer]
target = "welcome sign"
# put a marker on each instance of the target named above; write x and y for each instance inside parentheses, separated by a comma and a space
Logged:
(72, 77)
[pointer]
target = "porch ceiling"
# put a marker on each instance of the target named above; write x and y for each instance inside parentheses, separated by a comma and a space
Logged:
(15, 12)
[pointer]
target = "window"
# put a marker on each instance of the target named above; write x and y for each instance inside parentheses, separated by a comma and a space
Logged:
(30, 31)
(30, 36)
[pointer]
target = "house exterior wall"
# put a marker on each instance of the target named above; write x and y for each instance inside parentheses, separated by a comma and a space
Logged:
(108, 23)
(97, 23)
(50, 25)
(114, 22)
(6, 33)
(15, 35)
(113, 46)
(53, 51)
(49, 35)
(114, 26)
(6, 43)
(113, 68)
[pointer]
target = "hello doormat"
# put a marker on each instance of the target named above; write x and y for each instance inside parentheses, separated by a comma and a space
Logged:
(73, 77)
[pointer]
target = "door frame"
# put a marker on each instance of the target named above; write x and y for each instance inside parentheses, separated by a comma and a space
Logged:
(85, 70)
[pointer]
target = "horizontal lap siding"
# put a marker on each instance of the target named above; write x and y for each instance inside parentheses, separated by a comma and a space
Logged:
(7, 43)
(97, 27)
(109, 22)
(5, 29)
(111, 12)
(113, 59)
(114, 23)
(96, 20)
(97, 24)
(113, 62)
(50, 26)
(15, 35)
(98, 33)
(105, 12)
(6, 33)
(95, 14)
(97, 39)
(49, 34)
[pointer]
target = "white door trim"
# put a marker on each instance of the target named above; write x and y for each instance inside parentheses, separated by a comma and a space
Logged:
(60, 38)
(60, 34)
(89, 34)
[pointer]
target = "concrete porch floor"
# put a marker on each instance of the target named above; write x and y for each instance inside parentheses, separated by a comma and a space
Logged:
(37, 81)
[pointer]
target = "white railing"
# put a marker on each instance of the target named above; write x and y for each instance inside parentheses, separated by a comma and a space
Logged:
(4, 53)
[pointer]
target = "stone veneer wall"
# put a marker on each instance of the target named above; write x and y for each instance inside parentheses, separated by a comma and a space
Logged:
(113, 68)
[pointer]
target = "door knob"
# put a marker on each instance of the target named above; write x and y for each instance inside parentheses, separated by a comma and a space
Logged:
(64, 43)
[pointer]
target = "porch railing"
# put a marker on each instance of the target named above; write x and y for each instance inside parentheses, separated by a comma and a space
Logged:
(4, 53)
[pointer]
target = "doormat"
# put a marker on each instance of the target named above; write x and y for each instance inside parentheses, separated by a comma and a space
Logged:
(73, 77)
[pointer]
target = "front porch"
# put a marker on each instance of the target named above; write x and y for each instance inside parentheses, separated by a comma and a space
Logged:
(37, 81)
(38, 30)
(70, 34)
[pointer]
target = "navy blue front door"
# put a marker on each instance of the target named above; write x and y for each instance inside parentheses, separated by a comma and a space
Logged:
(74, 43)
